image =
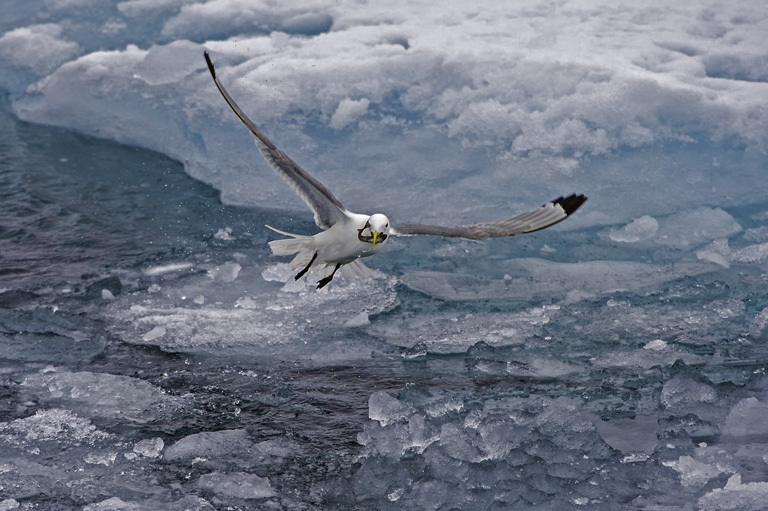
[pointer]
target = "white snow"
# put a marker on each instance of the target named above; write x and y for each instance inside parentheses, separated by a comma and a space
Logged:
(349, 111)
(40, 48)
(510, 98)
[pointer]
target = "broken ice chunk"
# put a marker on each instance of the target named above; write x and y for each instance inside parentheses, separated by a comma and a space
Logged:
(238, 485)
(227, 272)
(149, 448)
(640, 229)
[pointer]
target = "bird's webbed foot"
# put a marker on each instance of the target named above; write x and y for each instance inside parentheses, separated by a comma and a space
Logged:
(325, 280)
(306, 268)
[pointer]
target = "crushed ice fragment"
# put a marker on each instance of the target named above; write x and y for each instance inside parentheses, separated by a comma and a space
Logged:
(747, 419)
(656, 345)
(9, 504)
(101, 458)
(245, 302)
(56, 425)
(758, 328)
(418, 350)
(386, 409)
(238, 485)
(226, 272)
(640, 229)
(635, 457)
(736, 496)
(149, 448)
(224, 234)
(693, 472)
(360, 319)
(210, 444)
(153, 334)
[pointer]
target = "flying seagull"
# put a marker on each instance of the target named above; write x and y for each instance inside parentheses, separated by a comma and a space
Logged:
(348, 236)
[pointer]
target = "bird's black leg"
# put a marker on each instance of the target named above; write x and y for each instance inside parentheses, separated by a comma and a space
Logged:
(306, 268)
(321, 284)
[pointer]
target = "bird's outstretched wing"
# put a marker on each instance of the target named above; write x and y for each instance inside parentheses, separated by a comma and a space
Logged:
(327, 208)
(540, 218)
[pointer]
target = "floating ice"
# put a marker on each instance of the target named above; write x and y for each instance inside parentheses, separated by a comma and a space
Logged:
(637, 435)
(455, 333)
(250, 313)
(237, 485)
(736, 496)
(226, 272)
(530, 279)
(190, 503)
(747, 419)
(514, 443)
(149, 448)
(720, 252)
(693, 472)
(55, 425)
(103, 395)
(9, 504)
(154, 334)
(209, 444)
(640, 229)
(682, 391)
(691, 228)
(224, 234)
(758, 328)
(656, 345)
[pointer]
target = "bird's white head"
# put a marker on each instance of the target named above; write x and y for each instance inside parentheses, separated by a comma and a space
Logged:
(378, 229)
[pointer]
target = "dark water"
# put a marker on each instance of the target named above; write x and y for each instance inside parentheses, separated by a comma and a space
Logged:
(151, 361)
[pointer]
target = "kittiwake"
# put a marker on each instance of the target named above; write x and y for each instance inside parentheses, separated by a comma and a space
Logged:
(348, 236)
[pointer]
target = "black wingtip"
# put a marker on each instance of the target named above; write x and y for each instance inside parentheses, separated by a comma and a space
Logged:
(570, 203)
(210, 64)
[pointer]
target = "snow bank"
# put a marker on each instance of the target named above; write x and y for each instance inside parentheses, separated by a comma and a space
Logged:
(488, 103)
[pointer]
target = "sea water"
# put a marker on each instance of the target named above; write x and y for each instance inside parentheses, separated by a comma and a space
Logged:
(156, 356)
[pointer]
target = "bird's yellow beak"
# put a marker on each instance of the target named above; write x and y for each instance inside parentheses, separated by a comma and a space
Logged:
(376, 235)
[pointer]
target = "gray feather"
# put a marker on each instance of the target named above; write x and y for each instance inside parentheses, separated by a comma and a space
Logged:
(327, 208)
(540, 218)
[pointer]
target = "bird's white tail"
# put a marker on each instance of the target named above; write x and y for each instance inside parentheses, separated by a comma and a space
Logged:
(298, 244)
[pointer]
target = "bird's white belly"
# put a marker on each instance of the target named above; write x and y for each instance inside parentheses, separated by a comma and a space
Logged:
(340, 244)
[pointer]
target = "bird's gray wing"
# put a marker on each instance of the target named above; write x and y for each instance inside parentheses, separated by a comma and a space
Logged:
(327, 208)
(540, 218)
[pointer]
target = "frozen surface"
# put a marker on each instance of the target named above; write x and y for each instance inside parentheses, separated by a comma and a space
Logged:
(497, 105)
(155, 355)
